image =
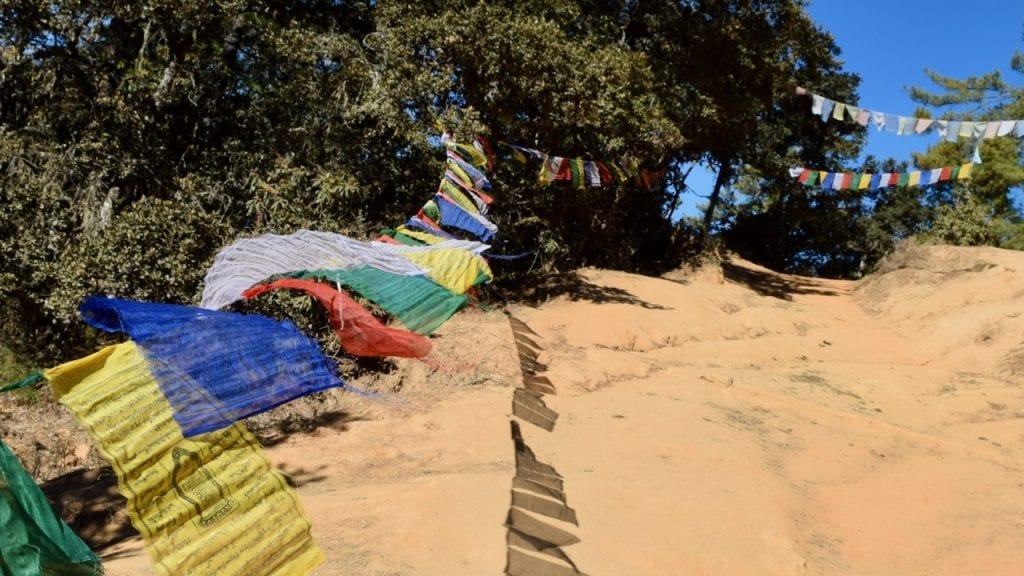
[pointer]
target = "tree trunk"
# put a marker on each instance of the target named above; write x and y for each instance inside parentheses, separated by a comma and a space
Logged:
(678, 186)
(724, 174)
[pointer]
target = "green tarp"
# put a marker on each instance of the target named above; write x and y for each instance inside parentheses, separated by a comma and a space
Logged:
(33, 539)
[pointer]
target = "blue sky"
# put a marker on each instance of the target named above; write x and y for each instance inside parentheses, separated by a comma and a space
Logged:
(890, 43)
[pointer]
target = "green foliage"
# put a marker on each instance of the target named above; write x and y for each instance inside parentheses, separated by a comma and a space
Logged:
(138, 138)
(988, 209)
(967, 222)
(11, 369)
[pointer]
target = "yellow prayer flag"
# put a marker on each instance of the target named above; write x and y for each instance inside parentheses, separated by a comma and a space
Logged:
(838, 111)
(455, 269)
(425, 237)
(915, 178)
(454, 167)
(865, 181)
(547, 175)
(965, 172)
(459, 197)
(207, 505)
(476, 157)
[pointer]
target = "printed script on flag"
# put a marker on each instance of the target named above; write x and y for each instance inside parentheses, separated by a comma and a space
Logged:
(211, 504)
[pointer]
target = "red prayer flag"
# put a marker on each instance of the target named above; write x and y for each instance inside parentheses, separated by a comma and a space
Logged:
(359, 331)
(564, 170)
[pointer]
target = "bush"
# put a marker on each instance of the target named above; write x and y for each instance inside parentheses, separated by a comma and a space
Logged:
(966, 223)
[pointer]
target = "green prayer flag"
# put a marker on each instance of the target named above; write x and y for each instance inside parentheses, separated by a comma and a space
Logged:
(25, 382)
(33, 539)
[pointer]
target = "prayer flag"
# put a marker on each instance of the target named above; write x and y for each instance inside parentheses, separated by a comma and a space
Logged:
(839, 111)
(359, 332)
(456, 216)
(419, 303)
(953, 130)
(455, 269)
(826, 109)
(216, 368)
(33, 538)
(251, 260)
(847, 180)
(210, 505)
(878, 119)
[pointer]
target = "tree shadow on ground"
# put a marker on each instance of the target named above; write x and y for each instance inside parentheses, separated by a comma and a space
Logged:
(280, 429)
(299, 476)
(771, 284)
(90, 503)
(574, 286)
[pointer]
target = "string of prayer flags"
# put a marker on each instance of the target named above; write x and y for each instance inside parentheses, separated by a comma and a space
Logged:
(214, 367)
(460, 201)
(211, 505)
(423, 224)
(359, 332)
(33, 538)
(863, 181)
(949, 130)
(452, 214)
(580, 173)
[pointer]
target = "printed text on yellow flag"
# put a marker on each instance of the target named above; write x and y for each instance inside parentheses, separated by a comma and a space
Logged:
(211, 504)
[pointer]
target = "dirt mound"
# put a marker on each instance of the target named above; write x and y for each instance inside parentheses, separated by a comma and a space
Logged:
(731, 420)
(962, 305)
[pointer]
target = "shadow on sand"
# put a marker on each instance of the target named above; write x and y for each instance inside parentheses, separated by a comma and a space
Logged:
(280, 429)
(771, 284)
(574, 286)
(90, 503)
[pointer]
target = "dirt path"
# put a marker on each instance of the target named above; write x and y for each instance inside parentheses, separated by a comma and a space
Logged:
(736, 423)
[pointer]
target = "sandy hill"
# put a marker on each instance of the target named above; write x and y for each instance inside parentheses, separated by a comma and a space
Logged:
(727, 421)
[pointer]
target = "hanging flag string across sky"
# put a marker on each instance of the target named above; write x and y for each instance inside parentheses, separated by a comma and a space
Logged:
(890, 67)
(950, 130)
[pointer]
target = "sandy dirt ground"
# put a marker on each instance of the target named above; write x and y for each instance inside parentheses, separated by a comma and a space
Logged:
(726, 421)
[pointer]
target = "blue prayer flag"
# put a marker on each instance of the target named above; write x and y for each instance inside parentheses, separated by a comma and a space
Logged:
(216, 367)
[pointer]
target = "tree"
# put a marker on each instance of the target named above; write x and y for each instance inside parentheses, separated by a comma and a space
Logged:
(983, 204)
(729, 68)
(245, 117)
(137, 138)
